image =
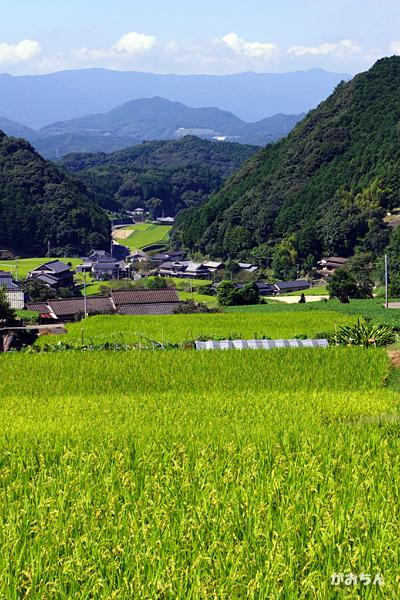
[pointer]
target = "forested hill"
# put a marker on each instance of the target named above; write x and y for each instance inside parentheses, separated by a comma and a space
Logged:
(163, 176)
(39, 204)
(324, 188)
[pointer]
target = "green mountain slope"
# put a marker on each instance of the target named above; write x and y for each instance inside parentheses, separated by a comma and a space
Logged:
(40, 205)
(164, 176)
(324, 188)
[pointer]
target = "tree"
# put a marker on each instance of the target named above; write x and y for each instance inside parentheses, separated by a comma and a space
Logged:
(342, 285)
(360, 266)
(284, 261)
(37, 290)
(226, 293)
(6, 312)
(250, 294)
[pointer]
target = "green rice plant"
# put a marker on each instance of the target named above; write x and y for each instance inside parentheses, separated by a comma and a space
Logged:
(197, 475)
(177, 329)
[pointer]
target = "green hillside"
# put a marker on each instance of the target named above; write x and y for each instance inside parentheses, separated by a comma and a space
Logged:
(41, 206)
(324, 189)
(163, 177)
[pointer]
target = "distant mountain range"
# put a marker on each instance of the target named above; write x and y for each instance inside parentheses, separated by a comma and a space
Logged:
(148, 119)
(39, 100)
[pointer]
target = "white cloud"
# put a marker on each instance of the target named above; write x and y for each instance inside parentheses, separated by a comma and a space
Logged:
(21, 52)
(133, 43)
(260, 50)
(325, 49)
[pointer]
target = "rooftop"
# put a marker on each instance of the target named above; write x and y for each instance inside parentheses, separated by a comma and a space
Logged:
(157, 296)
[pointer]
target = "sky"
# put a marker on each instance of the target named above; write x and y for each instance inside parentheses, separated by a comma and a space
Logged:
(207, 36)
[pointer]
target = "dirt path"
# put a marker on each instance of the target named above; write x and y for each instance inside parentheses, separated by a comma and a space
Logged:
(121, 234)
(394, 356)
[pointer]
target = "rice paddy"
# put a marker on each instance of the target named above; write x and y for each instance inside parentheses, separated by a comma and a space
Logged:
(181, 328)
(203, 475)
(142, 235)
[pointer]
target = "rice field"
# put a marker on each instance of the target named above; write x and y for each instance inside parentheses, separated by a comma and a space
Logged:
(181, 328)
(187, 475)
(142, 235)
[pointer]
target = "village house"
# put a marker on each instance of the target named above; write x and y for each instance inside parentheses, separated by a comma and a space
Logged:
(145, 302)
(15, 295)
(55, 274)
(248, 267)
(286, 287)
(102, 266)
(121, 302)
(327, 266)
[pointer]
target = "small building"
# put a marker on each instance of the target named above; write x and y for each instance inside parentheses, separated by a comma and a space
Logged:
(286, 287)
(327, 266)
(102, 266)
(145, 302)
(70, 309)
(55, 274)
(164, 221)
(248, 267)
(14, 293)
(176, 255)
(214, 266)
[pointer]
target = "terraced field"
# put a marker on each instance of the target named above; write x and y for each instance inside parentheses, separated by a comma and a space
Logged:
(142, 235)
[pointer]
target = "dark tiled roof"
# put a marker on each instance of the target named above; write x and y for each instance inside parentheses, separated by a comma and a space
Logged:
(40, 307)
(147, 309)
(69, 307)
(163, 296)
(5, 274)
(282, 285)
(48, 279)
(54, 266)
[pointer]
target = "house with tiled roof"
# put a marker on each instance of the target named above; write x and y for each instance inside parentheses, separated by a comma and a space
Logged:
(55, 274)
(14, 293)
(122, 302)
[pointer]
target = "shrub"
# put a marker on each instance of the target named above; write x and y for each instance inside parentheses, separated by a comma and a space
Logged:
(366, 335)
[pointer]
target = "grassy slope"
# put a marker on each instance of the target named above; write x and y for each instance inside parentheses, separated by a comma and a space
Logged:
(28, 264)
(147, 475)
(180, 328)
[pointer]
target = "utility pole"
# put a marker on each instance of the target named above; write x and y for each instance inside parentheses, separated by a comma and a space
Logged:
(84, 295)
(386, 282)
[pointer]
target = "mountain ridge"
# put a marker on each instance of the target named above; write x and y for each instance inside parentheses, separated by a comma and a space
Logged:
(324, 188)
(37, 100)
(148, 119)
(40, 206)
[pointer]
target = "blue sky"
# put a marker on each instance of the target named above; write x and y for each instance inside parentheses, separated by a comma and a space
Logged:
(211, 36)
